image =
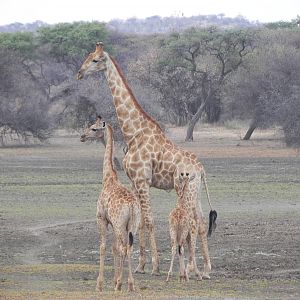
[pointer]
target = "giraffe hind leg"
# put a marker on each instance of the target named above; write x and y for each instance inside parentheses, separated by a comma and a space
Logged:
(142, 256)
(204, 249)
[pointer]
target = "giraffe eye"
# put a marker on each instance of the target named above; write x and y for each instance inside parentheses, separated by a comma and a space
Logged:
(95, 60)
(103, 124)
(94, 129)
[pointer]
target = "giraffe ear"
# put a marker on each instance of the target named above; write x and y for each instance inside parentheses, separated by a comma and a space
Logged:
(192, 177)
(99, 48)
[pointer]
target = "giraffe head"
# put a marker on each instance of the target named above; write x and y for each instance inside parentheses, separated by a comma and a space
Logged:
(184, 179)
(96, 61)
(94, 132)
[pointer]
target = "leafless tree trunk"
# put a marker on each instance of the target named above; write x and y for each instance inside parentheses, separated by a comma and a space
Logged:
(190, 130)
(251, 129)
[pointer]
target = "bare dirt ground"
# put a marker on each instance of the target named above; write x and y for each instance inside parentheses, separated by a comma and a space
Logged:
(49, 239)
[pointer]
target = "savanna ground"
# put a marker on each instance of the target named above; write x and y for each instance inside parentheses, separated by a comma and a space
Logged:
(49, 239)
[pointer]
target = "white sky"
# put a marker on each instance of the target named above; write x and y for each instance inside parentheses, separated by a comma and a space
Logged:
(55, 11)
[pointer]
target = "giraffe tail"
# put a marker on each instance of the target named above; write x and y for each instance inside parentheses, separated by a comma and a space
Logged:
(133, 223)
(212, 222)
(212, 214)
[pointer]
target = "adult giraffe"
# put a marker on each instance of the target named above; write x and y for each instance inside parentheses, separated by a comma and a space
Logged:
(152, 160)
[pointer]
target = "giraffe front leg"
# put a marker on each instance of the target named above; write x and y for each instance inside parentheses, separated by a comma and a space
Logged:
(116, 262)
(183, 274)
(150, 226)
(204, 249)
(190, 265)
(143, 191)
(192, 250)
(142, 256)
(102, 224)
(173, 243)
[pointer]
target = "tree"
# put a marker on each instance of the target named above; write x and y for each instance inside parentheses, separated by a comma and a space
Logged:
(172, 86)
(264, 89)
(69, 42)
(23, 107)
(208, 56)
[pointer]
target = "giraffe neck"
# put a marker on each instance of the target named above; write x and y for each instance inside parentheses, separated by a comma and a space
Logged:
(108, 169)
(183, 199)
(132, 118)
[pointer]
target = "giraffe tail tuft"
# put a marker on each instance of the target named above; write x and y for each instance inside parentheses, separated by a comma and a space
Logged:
(179, 249)
(212, 222)
(130, 237)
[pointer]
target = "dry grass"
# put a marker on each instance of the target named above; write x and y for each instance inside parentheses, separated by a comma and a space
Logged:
(48, 234)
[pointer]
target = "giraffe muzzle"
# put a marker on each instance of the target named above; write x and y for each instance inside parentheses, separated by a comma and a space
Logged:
(79, 75)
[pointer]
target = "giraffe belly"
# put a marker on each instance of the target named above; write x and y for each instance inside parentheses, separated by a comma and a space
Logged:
(165, 182)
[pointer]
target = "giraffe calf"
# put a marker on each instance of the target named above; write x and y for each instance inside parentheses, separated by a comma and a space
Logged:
(116, 206)
(183, 230)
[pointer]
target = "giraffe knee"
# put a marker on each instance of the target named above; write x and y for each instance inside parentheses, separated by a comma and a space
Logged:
(102, 248)
(202, 227)
(149, 224)
(123, 250)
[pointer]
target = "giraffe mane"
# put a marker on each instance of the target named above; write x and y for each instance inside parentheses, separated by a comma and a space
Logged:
(132, 95)
(110, 158)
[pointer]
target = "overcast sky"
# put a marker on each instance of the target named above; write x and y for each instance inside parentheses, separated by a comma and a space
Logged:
(55, 11)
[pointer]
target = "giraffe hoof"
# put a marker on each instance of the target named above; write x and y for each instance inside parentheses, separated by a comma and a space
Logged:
(199, 277)
(118, 287)
(205, 276)
(155, 273)
(99, 286)
(183, 278)
(130, 287)
(139, 271)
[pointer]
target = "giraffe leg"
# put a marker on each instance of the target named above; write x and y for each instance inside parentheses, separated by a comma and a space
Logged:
(173, 243)
(130, 277)
(204, 249)
(102, 224)
(150, 226)
(143, 191)
(142, 255)
(122, 256)
(116, 262)
(183, 276)
(190, 265)
(192, 250)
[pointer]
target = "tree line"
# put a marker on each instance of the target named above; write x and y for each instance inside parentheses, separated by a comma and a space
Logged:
(206, 74)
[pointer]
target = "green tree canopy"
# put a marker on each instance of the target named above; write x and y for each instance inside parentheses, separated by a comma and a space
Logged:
(73, 40)
(208, 56)
(22, 43)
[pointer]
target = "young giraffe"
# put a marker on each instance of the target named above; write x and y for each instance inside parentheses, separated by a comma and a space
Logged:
(116, 206)
(183, 229)
(152, 160)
